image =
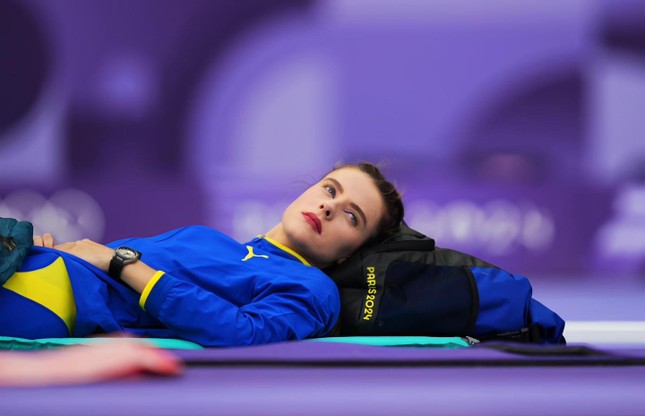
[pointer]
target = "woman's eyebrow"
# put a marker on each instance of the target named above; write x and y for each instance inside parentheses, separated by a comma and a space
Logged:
(337, 184)
(358, 209)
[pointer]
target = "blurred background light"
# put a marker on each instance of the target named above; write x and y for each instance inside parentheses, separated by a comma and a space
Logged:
(514, 128)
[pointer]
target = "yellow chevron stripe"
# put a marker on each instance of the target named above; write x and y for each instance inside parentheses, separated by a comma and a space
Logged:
(49, 287)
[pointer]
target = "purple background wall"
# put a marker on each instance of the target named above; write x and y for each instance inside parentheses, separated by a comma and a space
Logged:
(514, 129)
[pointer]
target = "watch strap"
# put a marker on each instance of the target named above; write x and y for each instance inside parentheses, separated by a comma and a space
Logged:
(117, 263)
(116, 267)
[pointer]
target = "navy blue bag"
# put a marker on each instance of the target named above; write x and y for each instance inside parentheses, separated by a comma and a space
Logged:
(408, 286)
(16, 238)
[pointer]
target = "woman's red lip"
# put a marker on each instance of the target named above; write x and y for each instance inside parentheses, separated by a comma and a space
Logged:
(313, 220)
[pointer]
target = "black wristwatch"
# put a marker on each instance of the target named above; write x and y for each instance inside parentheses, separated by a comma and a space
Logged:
(122, 257)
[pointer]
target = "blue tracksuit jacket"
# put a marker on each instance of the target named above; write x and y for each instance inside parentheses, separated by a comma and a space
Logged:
(210, 289)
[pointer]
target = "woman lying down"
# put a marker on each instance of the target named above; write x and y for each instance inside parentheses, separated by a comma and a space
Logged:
(198, 284)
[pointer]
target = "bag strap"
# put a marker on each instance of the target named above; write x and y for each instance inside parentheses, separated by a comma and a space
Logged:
(402, 245)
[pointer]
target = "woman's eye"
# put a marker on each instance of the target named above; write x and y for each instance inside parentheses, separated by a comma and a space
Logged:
(331, 190)
(353, 218)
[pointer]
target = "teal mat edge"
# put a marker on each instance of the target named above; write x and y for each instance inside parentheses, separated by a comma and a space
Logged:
(401, 341)
(11, 343)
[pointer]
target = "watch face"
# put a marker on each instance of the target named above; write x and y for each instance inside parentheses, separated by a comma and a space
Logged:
(126, 253)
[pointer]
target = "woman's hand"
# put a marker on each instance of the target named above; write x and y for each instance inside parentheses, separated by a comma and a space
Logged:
(94, 253)
(90, 251)
(46, 240)
(136, 275)
(85, 364)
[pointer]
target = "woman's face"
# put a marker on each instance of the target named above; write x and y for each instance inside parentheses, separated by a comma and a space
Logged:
(334, 217)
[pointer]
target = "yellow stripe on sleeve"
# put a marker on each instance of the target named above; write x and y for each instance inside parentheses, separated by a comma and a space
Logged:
(49, 287)
(146, 290)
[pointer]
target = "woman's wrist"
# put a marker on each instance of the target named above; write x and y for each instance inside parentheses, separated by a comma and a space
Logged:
(137, 275)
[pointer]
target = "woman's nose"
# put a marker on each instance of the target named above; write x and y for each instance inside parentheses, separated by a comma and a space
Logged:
(327, 210)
